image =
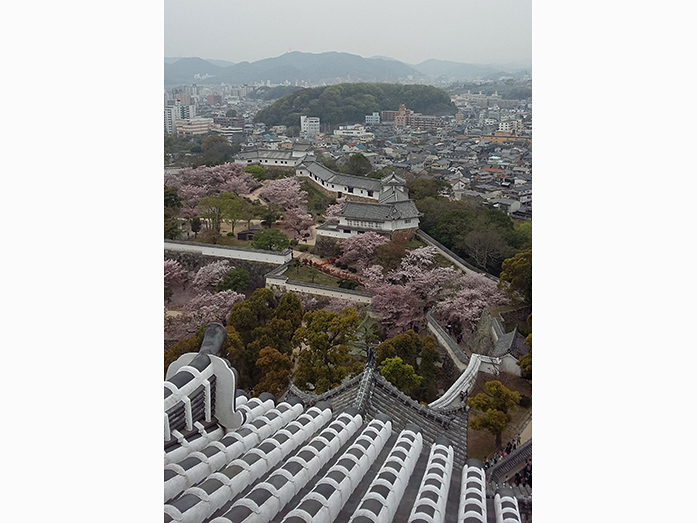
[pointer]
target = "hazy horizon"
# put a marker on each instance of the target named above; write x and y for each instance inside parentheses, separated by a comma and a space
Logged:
(209, 58)
(473, 32)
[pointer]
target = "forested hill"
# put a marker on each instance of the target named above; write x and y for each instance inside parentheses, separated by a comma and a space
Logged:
(349, 103)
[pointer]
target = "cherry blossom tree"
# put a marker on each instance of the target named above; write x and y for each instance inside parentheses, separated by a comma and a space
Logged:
(208, 276)
(337, 305)
(226, 177)
(308, 302)
(332, 210)
(298, 221)
(204, 308)
(402, 297)
(286, 193)
(360, 249)
(463, 309)
(175, 274)
(190, 196)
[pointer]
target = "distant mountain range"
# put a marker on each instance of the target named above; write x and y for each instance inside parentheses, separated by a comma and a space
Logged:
(329, 68)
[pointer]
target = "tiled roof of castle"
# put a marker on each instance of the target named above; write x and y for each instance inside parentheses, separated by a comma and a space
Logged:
(377, 211)
(348, 180)
(362, 452)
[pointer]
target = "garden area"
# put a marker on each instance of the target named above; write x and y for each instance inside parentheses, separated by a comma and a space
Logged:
(305, 273)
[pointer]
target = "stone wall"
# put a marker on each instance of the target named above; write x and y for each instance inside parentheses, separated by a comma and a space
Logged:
(193, 261)
(224, 251)
(276, 281)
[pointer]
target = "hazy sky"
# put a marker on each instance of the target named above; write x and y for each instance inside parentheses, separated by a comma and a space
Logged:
(470, 31)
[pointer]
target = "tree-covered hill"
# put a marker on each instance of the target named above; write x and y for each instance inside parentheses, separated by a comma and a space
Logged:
(350, 102)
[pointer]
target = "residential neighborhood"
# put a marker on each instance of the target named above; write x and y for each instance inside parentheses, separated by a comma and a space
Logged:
(484, 151)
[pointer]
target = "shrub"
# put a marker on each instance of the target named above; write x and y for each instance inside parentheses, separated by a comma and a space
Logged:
(234, 280)
(347, 284)
(303, 248)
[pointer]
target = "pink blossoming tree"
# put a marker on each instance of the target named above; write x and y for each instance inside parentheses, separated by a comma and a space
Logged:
(332, 210)
(402, 297)
(203, 308)
(298, 221)
(208, 276)
(175, 274)
(286, 193)
(360, 249)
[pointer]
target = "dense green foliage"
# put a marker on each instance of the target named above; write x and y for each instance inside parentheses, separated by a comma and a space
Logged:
(491, 408)
(272, 93)
(262, 321)
(349, 103)
(419, 354)
(358, 164)
(325, 359)
(271, 240)
(516, 276)
(400, 374)
(421, 188)
(194, 151)
(525, 361)
(235, 280)
(483, 237)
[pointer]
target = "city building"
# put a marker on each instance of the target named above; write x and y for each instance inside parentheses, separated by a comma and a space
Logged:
(214, 99)
(309, 126)
(355, 132)
(372, 119)
(172, 113)
(193, 126)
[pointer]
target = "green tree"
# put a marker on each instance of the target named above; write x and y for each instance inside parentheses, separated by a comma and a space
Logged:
(516, 277)
(271, 240)
(277, 333)
(172, 199)
(269, 214)
(249, 212)
(195, 225)
(401, 375)
(525, 361)
(421, 188)
(215, 150)
(276, 371)
(492, 406)
(231, 113)
(290, 308)
(251, 318)
(171, 224)
(421, 354)
(324, 359)
(492, 420)
(234, 280)
(358, 164)
(212, 208)
(233, 208)
(257, 171)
